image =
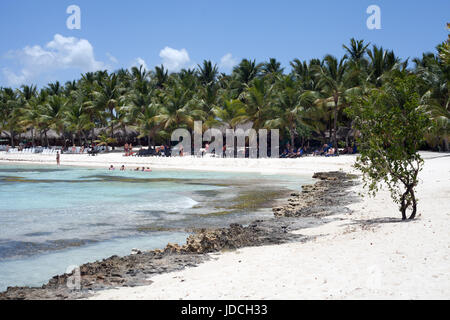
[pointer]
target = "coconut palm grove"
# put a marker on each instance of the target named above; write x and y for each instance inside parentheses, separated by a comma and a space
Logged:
(309, 104)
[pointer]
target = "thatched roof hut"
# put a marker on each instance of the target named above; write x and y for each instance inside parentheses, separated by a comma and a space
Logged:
(51, 134)
(4, 134)
(118, 132)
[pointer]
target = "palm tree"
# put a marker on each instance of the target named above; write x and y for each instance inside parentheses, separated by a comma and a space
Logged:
(104, 140)
(30, 113)
(10, 113)
(439, 132)
(444, 49)
(53, 114)
(28, 92)
(107, 97)
(161, 76)
(146, 122)
(138, 110)
(434, 76)
(203, 103)
(77, 121)
(69, 87)
(272, 67)
(244, 73)
(54, 88)
(258, 99)
(188, 80)
(174, 108)
(358, 64)
(84, 97)
(230, 112)
(207, 73)
(334, 82)
(304, 73)
(381, 62)
(356, 50)
(139, 77)
(155, 102)
(291, 104)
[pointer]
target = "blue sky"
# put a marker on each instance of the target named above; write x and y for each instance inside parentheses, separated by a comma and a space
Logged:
(38, 48)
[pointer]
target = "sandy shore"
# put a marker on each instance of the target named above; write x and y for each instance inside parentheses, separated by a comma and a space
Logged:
(307, 165)
(366, 254)
(363, 254)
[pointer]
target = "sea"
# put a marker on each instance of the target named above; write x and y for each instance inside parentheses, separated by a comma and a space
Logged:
(53, 219)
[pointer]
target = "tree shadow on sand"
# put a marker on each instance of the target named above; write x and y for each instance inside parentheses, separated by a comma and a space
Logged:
(377, 221)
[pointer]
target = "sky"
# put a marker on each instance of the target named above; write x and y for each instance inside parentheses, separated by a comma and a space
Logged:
(37, 47)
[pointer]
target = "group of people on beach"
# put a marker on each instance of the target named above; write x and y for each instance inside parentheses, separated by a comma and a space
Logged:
(138, 169)
(327, 150)
(128, 148)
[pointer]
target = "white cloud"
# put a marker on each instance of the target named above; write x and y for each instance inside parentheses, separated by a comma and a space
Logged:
(228, 62)
(111, 58)
(16, 79)
(140, 62)
(174, 60)
(59, 54)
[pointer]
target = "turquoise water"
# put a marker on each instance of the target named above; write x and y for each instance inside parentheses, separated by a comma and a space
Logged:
(53, 218)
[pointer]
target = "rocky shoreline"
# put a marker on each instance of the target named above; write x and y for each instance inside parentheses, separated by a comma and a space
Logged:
(326, 197)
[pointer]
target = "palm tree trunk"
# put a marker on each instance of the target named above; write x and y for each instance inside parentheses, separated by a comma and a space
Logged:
(330, 125)
(335, 113)
(85, 138)
(46, 138)
(64, 139)
(124, 134)
(92, 135)
(11, 132)
(112, 123)
(292, 133)
(32, 137)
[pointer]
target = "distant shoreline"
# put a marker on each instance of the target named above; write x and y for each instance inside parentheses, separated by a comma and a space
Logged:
(299, 166)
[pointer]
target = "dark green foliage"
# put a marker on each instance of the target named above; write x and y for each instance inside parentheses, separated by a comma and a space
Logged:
(307, 103)
(392, 127)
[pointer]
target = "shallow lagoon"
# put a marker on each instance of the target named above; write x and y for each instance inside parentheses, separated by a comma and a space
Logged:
(54, 218)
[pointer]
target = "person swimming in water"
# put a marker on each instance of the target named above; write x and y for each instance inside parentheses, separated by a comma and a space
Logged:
(111, 168)
(122, 168)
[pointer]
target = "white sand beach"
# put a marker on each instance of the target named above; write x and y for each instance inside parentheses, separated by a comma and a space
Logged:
(306, 165)
(366, 254)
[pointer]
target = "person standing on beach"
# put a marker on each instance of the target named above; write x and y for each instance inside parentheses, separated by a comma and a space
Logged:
(58, 159)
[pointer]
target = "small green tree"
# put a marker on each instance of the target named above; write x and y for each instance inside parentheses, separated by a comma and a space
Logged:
(104, 140)
(392, 128)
